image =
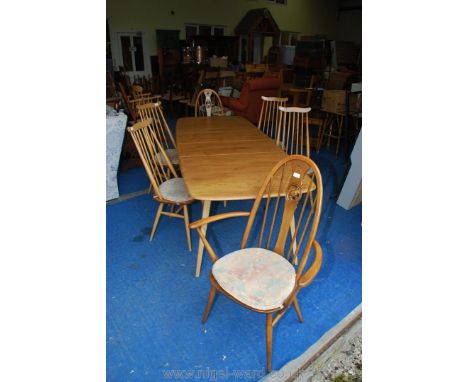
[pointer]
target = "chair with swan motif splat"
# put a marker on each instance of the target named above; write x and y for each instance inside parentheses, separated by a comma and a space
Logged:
(263, 276)
(208, 103)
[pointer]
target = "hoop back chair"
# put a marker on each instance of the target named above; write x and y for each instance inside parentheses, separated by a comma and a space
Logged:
(264, 277)
(294, 130)
(168, 188)
(208, 102)
(270, 115)
(163, 132)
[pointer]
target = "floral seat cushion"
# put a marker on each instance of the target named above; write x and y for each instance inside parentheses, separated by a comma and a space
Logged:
(257, 277)
(175, 190)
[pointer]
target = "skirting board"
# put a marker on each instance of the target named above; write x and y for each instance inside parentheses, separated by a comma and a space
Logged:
(291, 370)
(123, 198)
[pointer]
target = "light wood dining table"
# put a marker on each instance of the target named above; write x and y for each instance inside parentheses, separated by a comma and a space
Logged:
(223, 158)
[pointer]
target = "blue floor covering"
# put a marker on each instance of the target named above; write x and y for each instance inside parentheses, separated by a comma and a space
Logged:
(155, 303)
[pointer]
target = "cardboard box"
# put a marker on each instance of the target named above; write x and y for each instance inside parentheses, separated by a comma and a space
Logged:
(218, 62)
(334, 101)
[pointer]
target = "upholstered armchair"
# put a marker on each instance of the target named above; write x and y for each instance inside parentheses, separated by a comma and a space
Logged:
(249, 104)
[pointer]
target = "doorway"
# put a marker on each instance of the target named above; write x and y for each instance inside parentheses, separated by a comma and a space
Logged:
(133, 54)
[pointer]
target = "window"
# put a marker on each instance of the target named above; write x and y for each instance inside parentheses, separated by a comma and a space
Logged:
(191, 30)
(203, 30)
(131, 47)
(138, 51)
(218, 31)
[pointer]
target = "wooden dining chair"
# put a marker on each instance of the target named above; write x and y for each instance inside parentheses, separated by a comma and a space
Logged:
(269, 115)
(169, 189)
(154, 112)
(172, 97)
(139, 93)
(130, 107)
(263, 276)
(336, 112)
(316, 116)
(191, 95)
(208, 104)
(293, 136)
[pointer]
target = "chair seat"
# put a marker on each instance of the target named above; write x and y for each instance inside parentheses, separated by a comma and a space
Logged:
(257, 277)
(171, 154)
(175, 190)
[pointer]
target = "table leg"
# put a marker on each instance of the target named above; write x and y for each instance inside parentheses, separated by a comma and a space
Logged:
(201, 247)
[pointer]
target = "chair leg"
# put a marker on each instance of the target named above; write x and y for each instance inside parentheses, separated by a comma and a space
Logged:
(187, 229)
(149, 189)
(225, 203)
(340, 129)
(209, 304)
(156, 220)
(269, 339)
(319, 137)
(330, 131)
(298, 310)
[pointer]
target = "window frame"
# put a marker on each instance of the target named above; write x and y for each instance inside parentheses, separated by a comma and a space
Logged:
(197, 26)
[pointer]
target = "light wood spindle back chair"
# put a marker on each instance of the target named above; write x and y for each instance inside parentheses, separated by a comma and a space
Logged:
(163, 132)
(204, 98)
(168, 188)
(294, 130)
(139, 97)
(270, 114)
(137, 92)
(267, 276)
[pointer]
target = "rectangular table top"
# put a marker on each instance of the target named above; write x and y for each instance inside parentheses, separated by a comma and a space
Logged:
(224, 158)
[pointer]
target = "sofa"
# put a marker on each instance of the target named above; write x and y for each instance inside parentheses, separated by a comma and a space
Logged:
(249, 104)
